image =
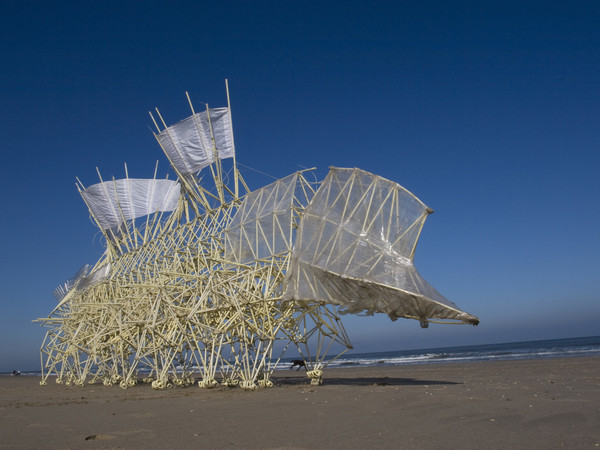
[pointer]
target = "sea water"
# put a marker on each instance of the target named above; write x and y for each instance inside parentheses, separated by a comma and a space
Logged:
(553, 348)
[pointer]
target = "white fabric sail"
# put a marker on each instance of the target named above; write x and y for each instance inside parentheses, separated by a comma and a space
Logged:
(113, 202)
(188, 144)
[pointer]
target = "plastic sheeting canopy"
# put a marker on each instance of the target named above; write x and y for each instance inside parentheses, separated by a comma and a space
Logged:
(261, 226)
(355, 248)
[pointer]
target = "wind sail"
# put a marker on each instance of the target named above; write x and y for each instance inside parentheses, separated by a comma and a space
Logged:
(355, 248)
(189, 144)
(113, 202)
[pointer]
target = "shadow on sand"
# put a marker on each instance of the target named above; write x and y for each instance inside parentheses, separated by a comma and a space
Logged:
(362, 381)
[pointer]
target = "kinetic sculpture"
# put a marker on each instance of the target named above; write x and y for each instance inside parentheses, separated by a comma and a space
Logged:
(199, 280)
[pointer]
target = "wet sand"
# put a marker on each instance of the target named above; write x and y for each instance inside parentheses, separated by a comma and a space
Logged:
(551, 403)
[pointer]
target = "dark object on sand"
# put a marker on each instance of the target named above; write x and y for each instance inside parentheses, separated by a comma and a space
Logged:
(298, 362)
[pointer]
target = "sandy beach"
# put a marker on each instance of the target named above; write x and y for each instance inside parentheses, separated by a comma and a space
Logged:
(550, 403)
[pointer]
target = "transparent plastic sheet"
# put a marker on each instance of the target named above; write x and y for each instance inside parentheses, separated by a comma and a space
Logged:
(355, 248)
(99, 274)
(82, 281)
(261, 226)
(61, 291)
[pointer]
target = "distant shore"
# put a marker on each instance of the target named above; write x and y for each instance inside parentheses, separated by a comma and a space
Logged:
(538, 403)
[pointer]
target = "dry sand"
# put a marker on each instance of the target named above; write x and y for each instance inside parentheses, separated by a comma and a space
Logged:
(551, 403)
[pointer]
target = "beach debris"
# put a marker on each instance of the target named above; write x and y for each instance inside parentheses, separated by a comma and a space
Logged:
(98, 437)
(201, 276)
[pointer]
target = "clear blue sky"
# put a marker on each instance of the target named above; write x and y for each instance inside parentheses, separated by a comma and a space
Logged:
(488, 111)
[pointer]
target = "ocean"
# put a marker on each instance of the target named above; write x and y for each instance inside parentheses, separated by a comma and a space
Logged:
(552, 348)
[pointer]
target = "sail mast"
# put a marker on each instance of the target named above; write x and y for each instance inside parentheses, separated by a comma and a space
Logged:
(219, 167)
(235, 170)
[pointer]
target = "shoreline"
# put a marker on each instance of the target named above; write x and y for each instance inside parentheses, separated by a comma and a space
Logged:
(533, 403)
